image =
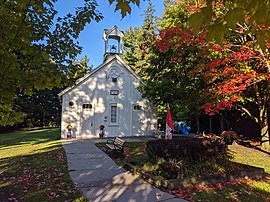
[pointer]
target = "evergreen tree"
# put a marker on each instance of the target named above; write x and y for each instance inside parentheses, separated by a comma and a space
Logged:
(167, 78)
(42, 108)
(138, 42)
(81, 68)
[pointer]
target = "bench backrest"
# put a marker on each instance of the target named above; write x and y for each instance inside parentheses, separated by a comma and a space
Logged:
(119, 142)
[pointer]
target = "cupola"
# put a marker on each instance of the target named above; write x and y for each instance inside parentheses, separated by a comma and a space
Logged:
(113, 39)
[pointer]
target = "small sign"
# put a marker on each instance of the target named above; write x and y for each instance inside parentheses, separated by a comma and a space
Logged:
(114, 92)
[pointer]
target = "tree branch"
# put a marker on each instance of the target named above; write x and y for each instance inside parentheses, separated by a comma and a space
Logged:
(265, 60)
(247, 112)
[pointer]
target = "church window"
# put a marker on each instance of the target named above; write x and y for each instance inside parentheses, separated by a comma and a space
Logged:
(113, 112)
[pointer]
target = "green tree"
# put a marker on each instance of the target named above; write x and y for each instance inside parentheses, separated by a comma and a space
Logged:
(42, 108)
(175, 13)
(138, 42)
(35, 52)
(167, 77)
(169, 82)
(235, 12)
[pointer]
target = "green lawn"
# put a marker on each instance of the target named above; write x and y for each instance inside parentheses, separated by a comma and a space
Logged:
(242, 190)
(33, 167)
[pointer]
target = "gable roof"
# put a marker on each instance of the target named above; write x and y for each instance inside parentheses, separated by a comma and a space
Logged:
(114, 32)
(83, 79)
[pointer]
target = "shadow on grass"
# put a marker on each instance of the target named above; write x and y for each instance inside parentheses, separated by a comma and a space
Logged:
(33, 137)
(39, 177)
(42, 176)
(248, 144)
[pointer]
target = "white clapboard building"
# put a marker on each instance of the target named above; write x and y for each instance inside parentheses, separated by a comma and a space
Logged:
(108, 96)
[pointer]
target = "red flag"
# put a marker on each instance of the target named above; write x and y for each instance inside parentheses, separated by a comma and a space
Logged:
(169, 125)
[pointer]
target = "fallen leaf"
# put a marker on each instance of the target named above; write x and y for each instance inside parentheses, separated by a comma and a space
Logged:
(51, 195)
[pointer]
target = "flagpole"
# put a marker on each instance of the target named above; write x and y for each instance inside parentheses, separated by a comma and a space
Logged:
(169, 124)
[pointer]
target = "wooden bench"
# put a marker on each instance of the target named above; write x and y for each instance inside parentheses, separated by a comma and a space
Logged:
(116, 145)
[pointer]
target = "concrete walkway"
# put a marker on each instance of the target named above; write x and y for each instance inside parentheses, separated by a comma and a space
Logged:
(100, 179)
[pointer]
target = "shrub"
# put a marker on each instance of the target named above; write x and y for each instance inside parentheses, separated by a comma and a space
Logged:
(185, 149)
(174, 169)
(169, 170)
(231, 135)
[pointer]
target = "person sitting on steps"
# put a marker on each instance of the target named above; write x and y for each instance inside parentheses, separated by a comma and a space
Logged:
(69, 128)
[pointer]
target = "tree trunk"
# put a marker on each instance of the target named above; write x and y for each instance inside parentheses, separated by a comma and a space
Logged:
(221, 123)
(43, 119)
(265, 138)
(210, 124)
(198, 124)
(226, 121)
(263, 117)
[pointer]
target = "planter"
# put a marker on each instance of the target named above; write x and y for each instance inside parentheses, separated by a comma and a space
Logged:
(228, 141)
(250, 172)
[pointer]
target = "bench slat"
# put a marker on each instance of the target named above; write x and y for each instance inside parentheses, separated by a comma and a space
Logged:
(117, 144)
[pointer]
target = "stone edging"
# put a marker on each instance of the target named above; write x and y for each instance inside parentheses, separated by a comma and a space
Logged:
(252, 172)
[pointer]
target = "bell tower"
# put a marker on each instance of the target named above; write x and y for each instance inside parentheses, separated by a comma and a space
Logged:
(113, 39)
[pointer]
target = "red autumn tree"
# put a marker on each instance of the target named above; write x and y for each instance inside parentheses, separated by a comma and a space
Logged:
(236, 74)
(239, 78)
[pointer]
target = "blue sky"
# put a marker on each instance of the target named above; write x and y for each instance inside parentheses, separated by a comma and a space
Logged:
(91, 37)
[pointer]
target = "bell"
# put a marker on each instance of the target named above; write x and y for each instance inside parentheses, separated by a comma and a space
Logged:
(113, 48)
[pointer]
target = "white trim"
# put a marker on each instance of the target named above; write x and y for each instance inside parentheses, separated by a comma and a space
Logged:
(94, 121)
(131, 119)
(81, 80)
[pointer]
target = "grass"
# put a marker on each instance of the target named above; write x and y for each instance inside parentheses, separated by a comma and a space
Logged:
(241, 190)
(33, 167)
(251, 156)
